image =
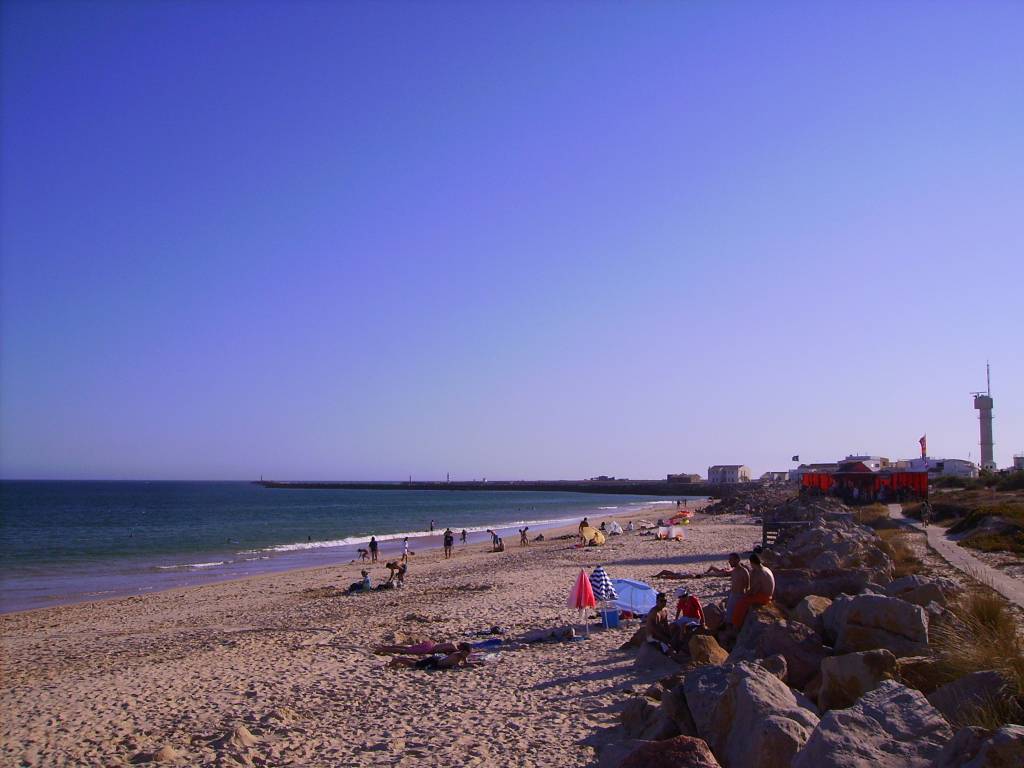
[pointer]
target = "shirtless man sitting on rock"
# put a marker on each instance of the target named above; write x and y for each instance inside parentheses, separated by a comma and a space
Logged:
(657, 622)
(739, 583)
(762, 588)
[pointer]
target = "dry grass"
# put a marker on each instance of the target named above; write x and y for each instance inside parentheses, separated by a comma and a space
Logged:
(894, 544)
(873, 515)
(987, 639)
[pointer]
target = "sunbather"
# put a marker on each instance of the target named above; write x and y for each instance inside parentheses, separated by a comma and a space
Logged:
(423, 648)
(457, 658)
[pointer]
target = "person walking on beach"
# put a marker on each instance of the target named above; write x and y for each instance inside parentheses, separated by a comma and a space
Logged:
(405, 549)
(373, 549)
(463, 537)
(739, 582)
(449, 542)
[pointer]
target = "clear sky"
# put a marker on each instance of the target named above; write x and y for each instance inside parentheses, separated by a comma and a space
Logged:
(378, 239)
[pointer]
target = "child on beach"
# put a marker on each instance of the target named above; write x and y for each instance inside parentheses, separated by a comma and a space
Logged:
(359, 586)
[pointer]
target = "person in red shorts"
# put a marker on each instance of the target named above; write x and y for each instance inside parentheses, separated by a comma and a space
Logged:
(762, 588)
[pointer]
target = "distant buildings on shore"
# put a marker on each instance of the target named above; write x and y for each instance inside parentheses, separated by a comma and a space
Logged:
(729, 473)
(934, 467)
(683, 477)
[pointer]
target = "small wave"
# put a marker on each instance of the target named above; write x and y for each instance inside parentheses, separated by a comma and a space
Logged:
(349, 541)
(607, 507)
(190, 565)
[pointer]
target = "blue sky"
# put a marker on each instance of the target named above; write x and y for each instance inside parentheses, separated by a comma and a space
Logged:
(369, 240)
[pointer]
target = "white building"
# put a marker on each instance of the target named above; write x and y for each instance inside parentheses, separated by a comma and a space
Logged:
(774, 477)
(957, 468)
(729, 473)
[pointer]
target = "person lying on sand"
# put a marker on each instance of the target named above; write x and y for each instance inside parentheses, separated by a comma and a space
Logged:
(678, 575)
(424, 648)
(438, 661)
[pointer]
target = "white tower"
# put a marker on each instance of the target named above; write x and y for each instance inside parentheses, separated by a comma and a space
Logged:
(983, 405)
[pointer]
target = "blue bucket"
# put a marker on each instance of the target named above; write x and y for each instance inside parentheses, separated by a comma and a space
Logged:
(610, 618)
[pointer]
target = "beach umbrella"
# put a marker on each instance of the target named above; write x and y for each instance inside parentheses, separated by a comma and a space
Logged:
(634, 596)
(581, 596)
(602, 585)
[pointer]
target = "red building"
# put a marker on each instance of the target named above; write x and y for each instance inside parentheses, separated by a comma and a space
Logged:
(855, 481)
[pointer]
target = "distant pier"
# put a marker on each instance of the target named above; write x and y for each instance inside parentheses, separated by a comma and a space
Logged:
(631, 487)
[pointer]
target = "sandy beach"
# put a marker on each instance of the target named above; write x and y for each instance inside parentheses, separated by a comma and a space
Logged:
(289, 658)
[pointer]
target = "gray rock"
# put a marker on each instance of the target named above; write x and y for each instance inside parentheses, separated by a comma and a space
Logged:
(835, 545)
(642, 719)
(979, 748)
(758, 722)
(793, 585)
(891, 727)
(917, 590)
(867, 622)
(767, 633)
(809, 611)
(776, 665)
(703, 688)
(955, 700)
(677, 752)
(673, 704)
(649, 656)
(844, 679)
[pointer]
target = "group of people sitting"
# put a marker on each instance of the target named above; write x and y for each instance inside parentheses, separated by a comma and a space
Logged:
(396, 578)
(748, 586)
(753, 585)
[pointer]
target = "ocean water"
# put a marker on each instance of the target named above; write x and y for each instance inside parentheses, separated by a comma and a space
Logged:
(63, 542)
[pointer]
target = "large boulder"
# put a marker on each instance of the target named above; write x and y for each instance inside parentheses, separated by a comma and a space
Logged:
(794, 584)
(844, 679)
(674, 706)
(920, 590)
(867, 622)
(957, 699)
(809, 611)
(890, 727)
(642, 719)
(703, 687)
(979, 748)
(677, 752)
(704, 649)
(650, 657)
(758, 721)
(833, 545)
(766, 632)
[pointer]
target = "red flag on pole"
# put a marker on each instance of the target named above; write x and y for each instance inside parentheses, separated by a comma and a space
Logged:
(924, 445)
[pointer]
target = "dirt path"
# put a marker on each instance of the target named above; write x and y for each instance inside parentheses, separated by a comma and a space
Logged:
(961, 559)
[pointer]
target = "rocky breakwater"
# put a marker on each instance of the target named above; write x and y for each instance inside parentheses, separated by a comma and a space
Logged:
(838, 672)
